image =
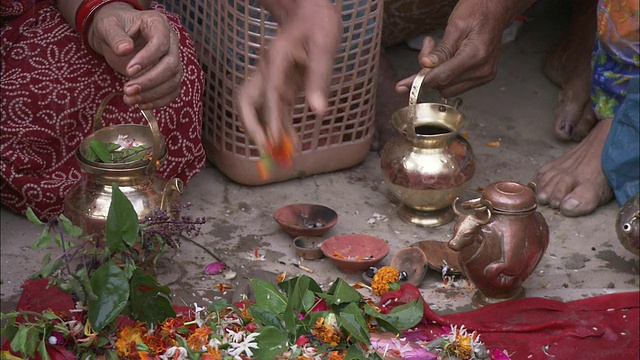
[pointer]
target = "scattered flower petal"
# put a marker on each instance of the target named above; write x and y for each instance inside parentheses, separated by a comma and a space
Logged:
(215, 268)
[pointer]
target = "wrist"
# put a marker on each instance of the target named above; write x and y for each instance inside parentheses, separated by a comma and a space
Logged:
(85, 14)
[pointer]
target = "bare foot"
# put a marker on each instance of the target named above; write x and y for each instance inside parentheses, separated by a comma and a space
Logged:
(568, 65)
(575, 183)
(387, 102)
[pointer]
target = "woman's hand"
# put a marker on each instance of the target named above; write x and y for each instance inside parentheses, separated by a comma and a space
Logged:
(467, 56)
(300, 58)
(142, 46)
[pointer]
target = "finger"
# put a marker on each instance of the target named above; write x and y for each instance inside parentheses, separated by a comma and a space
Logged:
(321, 56)
(157, 81)
(156, 97)
(248, 103)
(404, 85)
(463, 68)
(457, 88)
(428, 45)
(115, 37)
(279, 89)
(443, 51)
(159, 40)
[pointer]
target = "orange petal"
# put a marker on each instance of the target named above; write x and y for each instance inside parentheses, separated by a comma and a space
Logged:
(494, 143)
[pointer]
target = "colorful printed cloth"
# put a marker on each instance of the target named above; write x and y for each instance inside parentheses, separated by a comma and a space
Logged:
(51, 88)
(614, 91)
(615, 60)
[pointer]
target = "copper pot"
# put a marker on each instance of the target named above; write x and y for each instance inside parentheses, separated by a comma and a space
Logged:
(500, 238)
(87, 203)
(428, 163)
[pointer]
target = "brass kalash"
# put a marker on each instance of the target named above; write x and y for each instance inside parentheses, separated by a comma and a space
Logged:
(428, 163)
(87, 203)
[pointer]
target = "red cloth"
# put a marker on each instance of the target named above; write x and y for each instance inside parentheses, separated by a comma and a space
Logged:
(51, 88)
(601, 327)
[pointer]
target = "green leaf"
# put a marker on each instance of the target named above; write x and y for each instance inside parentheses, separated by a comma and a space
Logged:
(9, 329)
(32, 217)
(48, 267)
(265, 317)
(268, 296)
(270, 343)
(308, 300)
(69, 228)
(150, 302)
(43, 241)
(91, 155)
(111, 287)
(101, 151)
(26, 341)
(341, 292)
(122, 222)
(42, 350)
(111, 355)
(401, 317)
(355, 353)
(352, 320)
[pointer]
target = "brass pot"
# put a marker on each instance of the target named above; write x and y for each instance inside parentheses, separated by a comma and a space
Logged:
(428, 163)
(87, 203)
(628, 225)
(500, 239)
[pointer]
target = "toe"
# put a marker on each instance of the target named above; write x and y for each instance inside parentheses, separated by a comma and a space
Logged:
(585, 124)
(579, 203)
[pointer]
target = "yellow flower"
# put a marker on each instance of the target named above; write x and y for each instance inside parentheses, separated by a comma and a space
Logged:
(383, 277)
(327, 331)
(127, 335)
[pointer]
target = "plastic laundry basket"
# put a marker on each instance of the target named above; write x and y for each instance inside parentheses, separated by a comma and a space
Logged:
(228, 36)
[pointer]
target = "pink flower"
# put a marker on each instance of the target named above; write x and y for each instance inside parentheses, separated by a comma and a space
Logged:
(499, 355)
(302, 340)
(215, 268)
(320, 306)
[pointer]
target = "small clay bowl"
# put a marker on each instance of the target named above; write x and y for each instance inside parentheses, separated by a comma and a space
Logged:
(308, 247)
(354, 253)
(438, 253)
(306, 219)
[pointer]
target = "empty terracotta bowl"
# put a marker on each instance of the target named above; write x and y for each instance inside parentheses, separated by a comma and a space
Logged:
(354, 253)
(308, 247)
(305, 219)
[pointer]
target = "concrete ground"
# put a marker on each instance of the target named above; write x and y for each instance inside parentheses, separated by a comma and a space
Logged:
(584, 258)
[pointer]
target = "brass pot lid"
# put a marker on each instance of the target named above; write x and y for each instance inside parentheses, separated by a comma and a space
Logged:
(510, 196)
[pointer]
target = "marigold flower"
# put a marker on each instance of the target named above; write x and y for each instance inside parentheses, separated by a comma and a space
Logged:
(211, 354)
(200, 338)
(129, 334)
(157, 343)
(169, 328)
(327, 331)
(382, 279)
(336, 355)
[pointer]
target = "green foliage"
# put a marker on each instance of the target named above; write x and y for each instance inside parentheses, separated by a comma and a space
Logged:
(104, 275)
(286, 312)
(99, 151)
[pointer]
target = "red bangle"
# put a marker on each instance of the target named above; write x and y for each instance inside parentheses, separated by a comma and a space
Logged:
(84, 17)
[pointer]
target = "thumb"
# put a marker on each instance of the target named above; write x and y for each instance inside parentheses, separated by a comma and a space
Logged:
(116, 39)
(432, 55)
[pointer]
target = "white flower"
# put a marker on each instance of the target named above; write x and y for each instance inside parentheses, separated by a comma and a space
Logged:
(243, 347)
(53, 340)
(175, 353)
(236, 337)
(199, 316)
(123, 142)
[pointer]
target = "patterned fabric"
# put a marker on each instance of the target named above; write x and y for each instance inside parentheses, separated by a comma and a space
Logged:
(615, 59)
(51, 88)
(616, 62)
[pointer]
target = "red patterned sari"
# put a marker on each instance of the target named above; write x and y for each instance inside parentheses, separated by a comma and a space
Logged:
(51, 88)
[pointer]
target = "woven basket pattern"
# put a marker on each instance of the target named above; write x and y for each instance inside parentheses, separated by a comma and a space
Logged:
(229, 36)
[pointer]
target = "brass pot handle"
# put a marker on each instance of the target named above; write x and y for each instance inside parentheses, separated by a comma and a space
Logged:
(413, 101)
(153, 124)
